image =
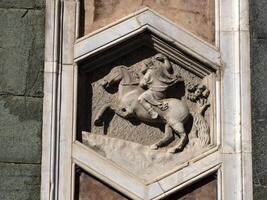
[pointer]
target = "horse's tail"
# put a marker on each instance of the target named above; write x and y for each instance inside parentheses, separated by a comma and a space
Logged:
(202, 129)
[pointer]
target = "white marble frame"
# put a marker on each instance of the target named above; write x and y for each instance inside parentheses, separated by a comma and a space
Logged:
(124, 181)
(232, 160)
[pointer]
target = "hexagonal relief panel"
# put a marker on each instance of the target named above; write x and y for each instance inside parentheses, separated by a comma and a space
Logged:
(146, 104)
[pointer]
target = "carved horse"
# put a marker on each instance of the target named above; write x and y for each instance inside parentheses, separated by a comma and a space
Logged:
(127, 106)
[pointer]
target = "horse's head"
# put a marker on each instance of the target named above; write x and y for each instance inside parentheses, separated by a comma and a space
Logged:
(114, 76)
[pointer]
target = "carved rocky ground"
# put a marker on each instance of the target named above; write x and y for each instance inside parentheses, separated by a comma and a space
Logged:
(140, 160)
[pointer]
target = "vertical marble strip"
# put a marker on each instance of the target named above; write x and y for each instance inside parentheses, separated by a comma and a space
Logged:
(75, 100)
(65, 137)
(52, 30)
(229, 41)
(236, 116)
(66, 103)
(247, 181)
(69, 31)
(49, 101)
(51, 186)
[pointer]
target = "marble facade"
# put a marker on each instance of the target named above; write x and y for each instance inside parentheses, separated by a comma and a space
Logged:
(74, 67)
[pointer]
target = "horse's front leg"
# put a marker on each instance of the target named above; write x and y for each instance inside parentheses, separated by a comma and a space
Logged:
(122, 112)
(99, 116)
(168, 137)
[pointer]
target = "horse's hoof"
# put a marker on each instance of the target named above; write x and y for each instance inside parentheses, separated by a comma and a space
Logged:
(98, 122)
(154, 146)
(172, 150)
(175, 150)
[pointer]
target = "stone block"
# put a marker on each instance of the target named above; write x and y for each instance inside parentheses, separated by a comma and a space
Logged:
(258, 16)
(259, 99)
(259, 150)
(263, 179)
(258, 78)
(260, 192)
(22, 3)
(19, 181)
(21, 51)
(20, 129)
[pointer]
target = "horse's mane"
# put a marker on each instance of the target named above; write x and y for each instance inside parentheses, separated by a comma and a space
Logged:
(132, 74)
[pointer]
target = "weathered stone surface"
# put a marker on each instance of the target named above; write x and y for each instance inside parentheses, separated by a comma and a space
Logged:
(259, 149)
(259, 77)
(258, 16)
(259, 112)
(260, 192)
(21, 72)
(259, 138)
(258, 28)
(20, 129)
(21, 51)
(19, 181)
(196, 16)
(22, 3)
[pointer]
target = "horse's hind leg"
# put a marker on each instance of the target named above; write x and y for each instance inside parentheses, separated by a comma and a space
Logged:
(179, 129)
(168, 137)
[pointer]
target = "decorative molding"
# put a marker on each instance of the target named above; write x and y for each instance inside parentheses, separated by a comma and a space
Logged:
(146, 19)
